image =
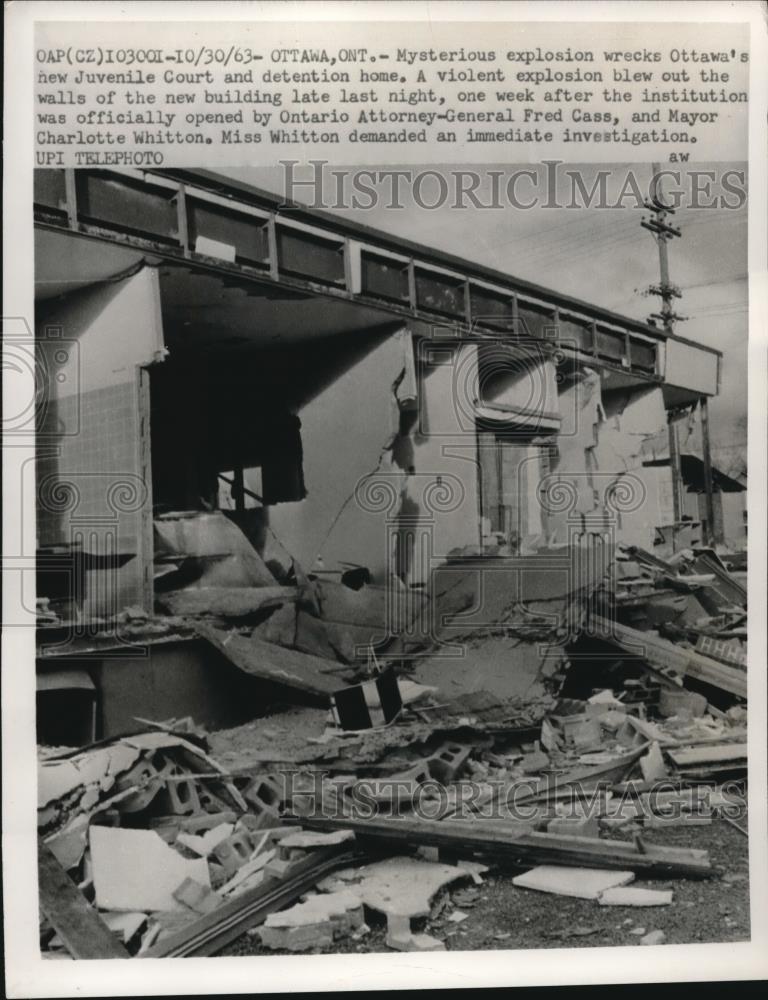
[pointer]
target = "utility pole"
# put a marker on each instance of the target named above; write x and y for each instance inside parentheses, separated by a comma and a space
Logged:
(662, 231)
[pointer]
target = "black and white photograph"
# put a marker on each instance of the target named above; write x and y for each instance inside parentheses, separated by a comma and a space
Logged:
(386, 497)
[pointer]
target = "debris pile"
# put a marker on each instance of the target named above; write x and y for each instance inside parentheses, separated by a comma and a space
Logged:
(691, 611)
(551, 733)
(174, 855)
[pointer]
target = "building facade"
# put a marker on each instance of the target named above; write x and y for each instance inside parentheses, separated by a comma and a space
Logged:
(354, 402)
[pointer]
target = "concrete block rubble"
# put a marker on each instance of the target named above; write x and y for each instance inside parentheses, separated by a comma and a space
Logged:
(378, 800)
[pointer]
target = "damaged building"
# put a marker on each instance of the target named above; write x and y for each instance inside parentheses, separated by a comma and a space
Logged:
(235, 391)
(327, 519)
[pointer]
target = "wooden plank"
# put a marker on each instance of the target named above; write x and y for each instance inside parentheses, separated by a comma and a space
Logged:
(663, 655)
(270, 662)
(706, 755)
(516, 844)
(78, 924)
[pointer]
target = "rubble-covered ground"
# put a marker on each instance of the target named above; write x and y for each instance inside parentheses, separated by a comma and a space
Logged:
(362, 810)
(501, 916)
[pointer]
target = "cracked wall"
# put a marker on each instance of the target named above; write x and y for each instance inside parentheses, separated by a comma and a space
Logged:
(604, 439)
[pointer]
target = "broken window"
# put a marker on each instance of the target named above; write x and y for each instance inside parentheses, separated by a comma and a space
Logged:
(218, 442)
(268, 469)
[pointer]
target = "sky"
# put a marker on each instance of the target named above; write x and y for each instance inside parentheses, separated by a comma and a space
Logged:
(602, 255)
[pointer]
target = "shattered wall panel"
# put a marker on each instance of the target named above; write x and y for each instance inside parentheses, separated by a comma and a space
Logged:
(602, 445)
(631, 418)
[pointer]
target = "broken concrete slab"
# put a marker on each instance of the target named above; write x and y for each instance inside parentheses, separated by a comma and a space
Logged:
(226, 602)
(583, 883)
(137, 870)
(673, 700)
(60, 777)
(401, 886)
(502, 665)
(400, 937)
(652, 764)
(270, 662)
(474, 869)
(69, 843)
(303, 938)
(221, 551)
(316, 922)
(635, 896)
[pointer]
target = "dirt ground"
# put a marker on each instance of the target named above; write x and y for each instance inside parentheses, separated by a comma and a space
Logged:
(502, 916)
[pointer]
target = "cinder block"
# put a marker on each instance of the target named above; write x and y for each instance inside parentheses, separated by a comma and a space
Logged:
(446, 763)
(181, 798)
(233, 852)
(315, 922)
(264, 796)
(146, 778)
(211, 802)
(197, 897)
